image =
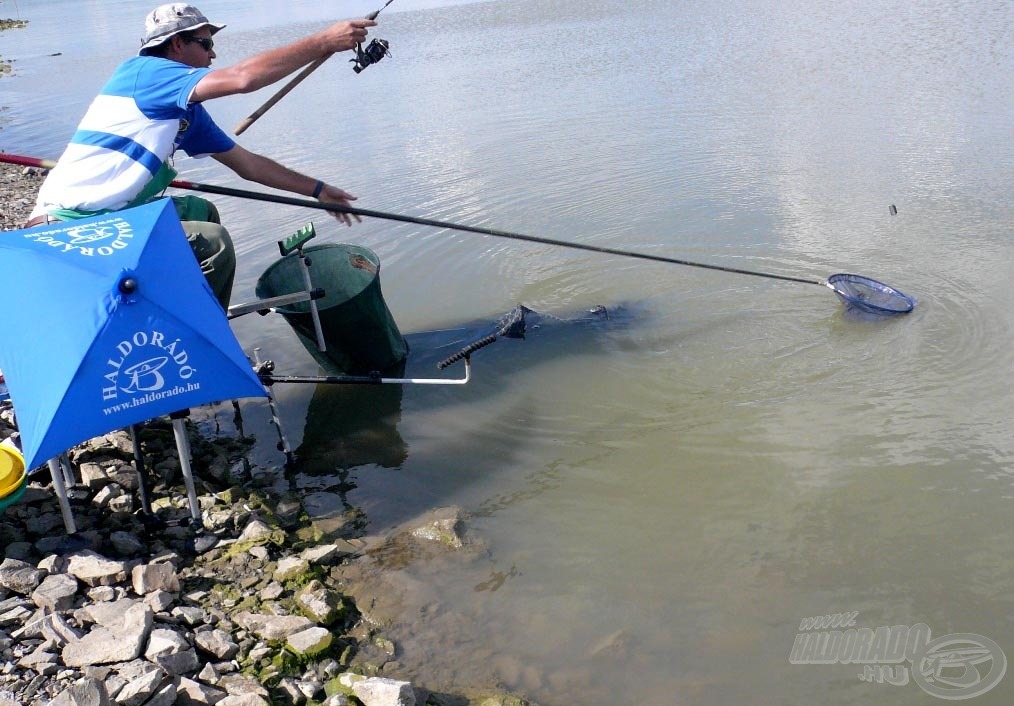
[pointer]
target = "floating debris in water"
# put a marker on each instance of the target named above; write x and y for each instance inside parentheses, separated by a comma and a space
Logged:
(894, 210)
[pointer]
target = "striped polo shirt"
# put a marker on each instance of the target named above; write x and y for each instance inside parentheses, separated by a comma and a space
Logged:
(140, 117)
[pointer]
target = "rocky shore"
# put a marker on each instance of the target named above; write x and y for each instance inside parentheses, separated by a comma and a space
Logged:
(253, 606)
(5, 67)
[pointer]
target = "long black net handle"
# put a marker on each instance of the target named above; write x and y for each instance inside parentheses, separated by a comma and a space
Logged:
(354, 211)
(336, 208)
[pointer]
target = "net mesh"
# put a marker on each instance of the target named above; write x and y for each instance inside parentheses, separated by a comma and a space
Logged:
(869, 295)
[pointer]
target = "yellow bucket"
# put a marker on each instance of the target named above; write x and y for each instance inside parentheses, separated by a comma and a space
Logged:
(12, 475)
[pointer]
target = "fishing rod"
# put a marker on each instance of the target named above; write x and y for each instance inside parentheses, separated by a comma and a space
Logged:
(374, 52)
(863, 293)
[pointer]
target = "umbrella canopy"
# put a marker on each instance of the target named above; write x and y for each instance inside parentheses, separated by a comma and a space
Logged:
(109, 322)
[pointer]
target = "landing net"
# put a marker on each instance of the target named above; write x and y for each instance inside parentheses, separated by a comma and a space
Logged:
(869, 295)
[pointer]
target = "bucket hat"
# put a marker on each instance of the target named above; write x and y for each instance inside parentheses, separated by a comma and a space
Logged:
(167, 20)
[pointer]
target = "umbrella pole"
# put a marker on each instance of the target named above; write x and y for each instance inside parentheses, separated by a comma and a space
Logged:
(56, 471)
(183, 447)
(142, 475)
(68, 472)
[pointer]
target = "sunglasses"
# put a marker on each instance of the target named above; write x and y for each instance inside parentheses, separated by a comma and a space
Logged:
(206, 44)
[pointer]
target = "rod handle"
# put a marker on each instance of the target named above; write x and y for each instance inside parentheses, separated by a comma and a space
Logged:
(309, 69)
(252, 118)
(467, 351)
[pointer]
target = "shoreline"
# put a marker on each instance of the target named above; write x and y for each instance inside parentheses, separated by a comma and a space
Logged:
(254, 608)
(5, 66)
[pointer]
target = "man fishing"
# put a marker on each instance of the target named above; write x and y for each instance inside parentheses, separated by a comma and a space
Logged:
(122, 152)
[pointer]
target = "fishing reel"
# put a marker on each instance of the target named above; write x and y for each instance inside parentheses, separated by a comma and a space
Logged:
(374, 52)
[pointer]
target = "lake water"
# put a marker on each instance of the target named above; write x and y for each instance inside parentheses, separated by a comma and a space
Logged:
(663, 497)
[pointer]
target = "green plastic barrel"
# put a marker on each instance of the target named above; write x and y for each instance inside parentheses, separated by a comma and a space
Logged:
(359, 331)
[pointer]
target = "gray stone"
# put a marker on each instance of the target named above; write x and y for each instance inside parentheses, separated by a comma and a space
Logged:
(311, 688)
(217, 643)
(19, 576)
(93, 569)
(171, 651)
(118, 440)
(57, 631)
(291, 567)
(185, 662)
(126, 544)
(141, 684)
(40, 657)
(87, 692)
(124, 476)
(102, 594)
(255, 530)
(105, 645)
(158, 576)
(114, 684)
(18, 550)
(192, 693)
(377, 691)
(322, 554)
(44, 524)
(107, 494)
(291, 690)
(242, 685)
(123, 503)
(209, 675)
(287, 510)
(93, 476)
(272, 627)
(191, 615)
(165, 696)
(30, 624)
(53, 564)
(444, 526)
(13, 602)
(272, 591)
(94, 672)
(14, 616)
(258, 653)
(109, 614)
(319, 603)
(244, 700)
(310, 642)
(159, 600)
(56, 592)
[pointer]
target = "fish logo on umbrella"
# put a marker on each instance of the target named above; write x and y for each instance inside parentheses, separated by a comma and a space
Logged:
(128, 374)
(86, 235)
(145, 376)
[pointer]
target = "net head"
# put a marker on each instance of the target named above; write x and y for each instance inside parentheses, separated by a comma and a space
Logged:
(869, 295)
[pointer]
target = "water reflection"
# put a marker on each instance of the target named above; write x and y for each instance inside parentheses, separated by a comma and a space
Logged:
(352, 425)
(356, 425)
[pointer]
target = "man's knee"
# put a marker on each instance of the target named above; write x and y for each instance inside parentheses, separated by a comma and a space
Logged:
(213, 248)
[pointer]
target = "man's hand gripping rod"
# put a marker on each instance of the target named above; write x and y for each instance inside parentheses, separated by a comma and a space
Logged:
(307, 70)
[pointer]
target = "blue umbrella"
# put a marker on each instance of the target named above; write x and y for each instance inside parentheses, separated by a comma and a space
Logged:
(109, 322)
